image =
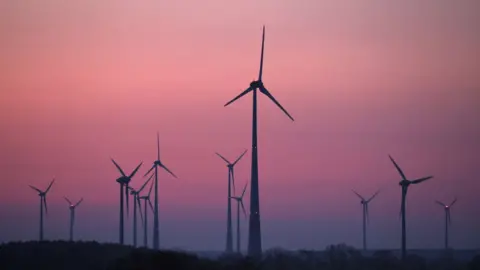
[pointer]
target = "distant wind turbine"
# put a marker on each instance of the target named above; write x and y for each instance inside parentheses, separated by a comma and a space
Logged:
(145, 220)
(448, 219)
(254, 231)
(239, 203)
(365, 215)
(123, 180)
(136, 201)
(405, 183)
(157, 163)
(72, 214)
(231, 180)
(43, 204)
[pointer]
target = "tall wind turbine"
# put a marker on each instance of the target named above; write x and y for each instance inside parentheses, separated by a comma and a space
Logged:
(239, 203)
(145, 220)
(364, 204)
(254, 231)
(72, 214)
(231, 180)
(157, 163)
(405, 183)
(136, 201)
(448, 219)
(123, 180)
(43, 204)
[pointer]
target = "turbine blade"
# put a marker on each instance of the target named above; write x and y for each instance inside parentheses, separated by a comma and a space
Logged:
(158, 146)
(440, 203)
(449, 217)
(398, 168)
(230, 169)
(118, 167)
(78, 203)
(34, 188)
(146, 182)
(453, 202)
(126, 198)
(366, 213)
(261, 56)
(239, 96)
(151, 205)
(153, 167)
(166, 169)
(360, 196)
(374, 195)
(136, 169)
(45, 205)
(238, 159)
(243, 208)
(139, 204)
(49, 186)
(243, 193)
(421, 180)
(150, 190)
(69, 202)
(226, 160)
(266, 93)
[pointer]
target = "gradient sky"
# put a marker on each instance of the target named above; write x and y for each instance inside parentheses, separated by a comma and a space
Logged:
(83, 81)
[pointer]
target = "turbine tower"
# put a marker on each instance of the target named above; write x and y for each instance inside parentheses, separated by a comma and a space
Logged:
(239, 203)
(405, 183)
(43, 204)
(231, 180)
(123, 180)
(364, 204)
(72, 215)
(145, 220)
(157, 163)
(254, 231)
(448, 219)
(136, 201)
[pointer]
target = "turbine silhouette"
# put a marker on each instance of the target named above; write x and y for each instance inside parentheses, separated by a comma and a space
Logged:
(136, 201)
(43, 204)
(448, 219)
(231, 180)
(72, 207)
(365, 215)
(123, 180)
(156, 164)
(254, 231)
(405, 183)
(239, 203)
(145, 219)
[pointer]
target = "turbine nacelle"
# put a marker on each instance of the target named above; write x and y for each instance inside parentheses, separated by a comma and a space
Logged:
(405, 183)
(256, 84)
(157, 163)
(123, 180)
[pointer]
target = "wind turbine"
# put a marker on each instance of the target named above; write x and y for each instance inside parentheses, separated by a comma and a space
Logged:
(239, 203)
(43, 204)
(123, 180)
(254, 231)
(364, 204)
(136, 201)
(405, 183)
(157, 163)
(146, 198)
(72, 214)
(448, 219)
(231, 180)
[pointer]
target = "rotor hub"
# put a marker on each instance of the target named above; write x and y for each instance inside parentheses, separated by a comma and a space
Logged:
(256, 84)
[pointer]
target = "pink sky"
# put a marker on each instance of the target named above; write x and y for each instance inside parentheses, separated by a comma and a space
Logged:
(85, 81)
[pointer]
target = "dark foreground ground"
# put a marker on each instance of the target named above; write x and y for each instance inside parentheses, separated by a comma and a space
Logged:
(92, 256)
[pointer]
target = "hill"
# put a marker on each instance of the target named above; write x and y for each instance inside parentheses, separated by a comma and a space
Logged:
(92, 256)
